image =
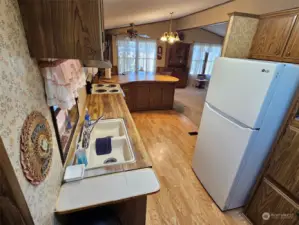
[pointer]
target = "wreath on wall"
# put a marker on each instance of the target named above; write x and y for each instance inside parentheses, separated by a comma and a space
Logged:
(36, 148)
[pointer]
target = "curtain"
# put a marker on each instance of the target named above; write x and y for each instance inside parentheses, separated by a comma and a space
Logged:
(136, 54)
(198, 57)
(214, 52)
(147, 54)
(126, 50)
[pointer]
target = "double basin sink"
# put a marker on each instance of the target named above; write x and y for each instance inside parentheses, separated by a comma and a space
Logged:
(122, 151)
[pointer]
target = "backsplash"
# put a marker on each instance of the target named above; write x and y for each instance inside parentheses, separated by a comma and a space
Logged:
(21, 92)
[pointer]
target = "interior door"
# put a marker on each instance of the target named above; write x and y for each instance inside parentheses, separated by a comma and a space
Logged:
(13, 207)
(219, 150)
(239, 88)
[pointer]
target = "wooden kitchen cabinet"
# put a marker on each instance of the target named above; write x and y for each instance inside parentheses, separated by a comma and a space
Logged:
(167, 96)
(177, 56)
(292, 50)
(128, 90)
(142, 96)
(272, 35)
(67, 29)
(277, 190)
(284, 166)
(269, 201)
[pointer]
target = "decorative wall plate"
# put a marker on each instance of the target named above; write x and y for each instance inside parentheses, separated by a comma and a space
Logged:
(36, 148)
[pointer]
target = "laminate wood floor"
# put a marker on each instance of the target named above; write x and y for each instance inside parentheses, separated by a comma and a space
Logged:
(182, 199)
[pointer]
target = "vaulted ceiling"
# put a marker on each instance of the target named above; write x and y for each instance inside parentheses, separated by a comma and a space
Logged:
(120, 13)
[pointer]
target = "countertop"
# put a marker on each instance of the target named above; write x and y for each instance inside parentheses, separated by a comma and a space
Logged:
(103, 190)
(114, 106)
(136, 77)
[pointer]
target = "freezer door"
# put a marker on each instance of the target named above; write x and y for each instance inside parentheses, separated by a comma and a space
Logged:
(241, 88)
(220, 147)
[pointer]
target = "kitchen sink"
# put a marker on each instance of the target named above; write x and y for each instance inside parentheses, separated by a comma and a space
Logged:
(122, 151)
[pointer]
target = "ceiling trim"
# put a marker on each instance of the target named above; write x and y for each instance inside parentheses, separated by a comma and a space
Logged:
(221, 4)
(229, 1)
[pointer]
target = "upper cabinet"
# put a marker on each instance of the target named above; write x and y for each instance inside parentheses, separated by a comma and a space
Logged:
(277, 37)
(68, 29)
(292, 49)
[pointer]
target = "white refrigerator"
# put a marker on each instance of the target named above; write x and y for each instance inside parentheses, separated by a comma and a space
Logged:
(245, 106)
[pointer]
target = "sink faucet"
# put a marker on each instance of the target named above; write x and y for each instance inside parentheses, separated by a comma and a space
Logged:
(87, 132)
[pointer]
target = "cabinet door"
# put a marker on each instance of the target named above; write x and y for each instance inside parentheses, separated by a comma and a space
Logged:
(156, 93)
(128, 90)
(292, 49)
(142, 97)
(177, 54)
(68, 29)
(168, 96)
(284, 165)
(271, 207)
(272, 35)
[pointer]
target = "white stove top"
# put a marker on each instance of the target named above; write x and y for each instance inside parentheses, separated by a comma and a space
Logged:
(106, 89)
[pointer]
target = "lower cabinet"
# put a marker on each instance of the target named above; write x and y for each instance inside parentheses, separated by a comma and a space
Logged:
(275, 200)
(141, 96)
(270, 206)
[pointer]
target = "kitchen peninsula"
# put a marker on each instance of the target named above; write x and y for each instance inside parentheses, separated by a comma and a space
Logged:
(144, 91)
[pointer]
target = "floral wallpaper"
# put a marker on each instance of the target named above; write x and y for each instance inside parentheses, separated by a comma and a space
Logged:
(21, 92)
(238, 39)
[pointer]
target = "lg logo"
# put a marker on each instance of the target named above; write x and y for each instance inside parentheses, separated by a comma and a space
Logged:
(265, 71)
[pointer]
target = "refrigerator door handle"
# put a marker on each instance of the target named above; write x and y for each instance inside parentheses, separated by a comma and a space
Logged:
(228, 118)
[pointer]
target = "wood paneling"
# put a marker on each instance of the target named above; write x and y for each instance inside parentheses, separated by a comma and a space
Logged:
(13, 207)
(292, 49)
(269, 199)
(69, 29)
(272, 35)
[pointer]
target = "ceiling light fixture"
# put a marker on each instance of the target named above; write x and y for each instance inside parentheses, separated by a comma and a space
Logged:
(170, 37)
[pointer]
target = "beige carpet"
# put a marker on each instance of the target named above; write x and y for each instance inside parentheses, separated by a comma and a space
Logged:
(190, 102)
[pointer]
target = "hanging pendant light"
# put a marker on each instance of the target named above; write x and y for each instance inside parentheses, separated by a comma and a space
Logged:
(170, 37)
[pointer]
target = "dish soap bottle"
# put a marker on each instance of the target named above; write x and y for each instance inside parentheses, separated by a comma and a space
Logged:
(81, 156)
(87, 121)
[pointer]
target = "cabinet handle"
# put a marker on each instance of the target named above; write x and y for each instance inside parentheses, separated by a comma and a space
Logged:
(288, 54)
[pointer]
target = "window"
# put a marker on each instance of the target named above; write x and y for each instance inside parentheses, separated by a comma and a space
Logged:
(136, 55)
(203, 58)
